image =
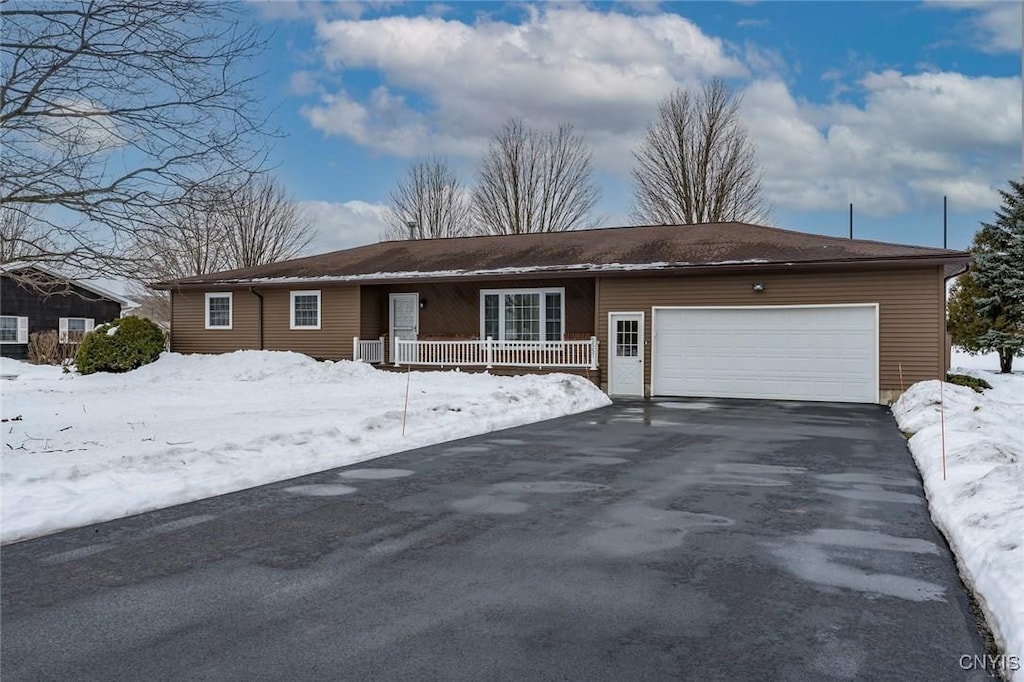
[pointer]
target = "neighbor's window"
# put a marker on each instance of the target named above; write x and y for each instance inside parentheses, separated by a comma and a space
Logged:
(72, 329)
(218, 310)
(305, 310)
(8, 329)
(522, 314)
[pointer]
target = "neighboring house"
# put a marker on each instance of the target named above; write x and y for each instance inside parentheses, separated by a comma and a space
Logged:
(715, 310)
(35, 299)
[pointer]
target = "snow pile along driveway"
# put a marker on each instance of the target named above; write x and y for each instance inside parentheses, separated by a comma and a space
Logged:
(98, 447)
(980, 504)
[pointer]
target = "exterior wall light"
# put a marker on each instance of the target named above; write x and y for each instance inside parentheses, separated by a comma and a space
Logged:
(758, 287)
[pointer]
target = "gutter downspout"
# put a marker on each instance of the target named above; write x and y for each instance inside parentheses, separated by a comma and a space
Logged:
(259, 318)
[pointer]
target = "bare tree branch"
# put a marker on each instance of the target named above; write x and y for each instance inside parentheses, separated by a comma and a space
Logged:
(109, 110)
(696, 163)
(432, 199)
(240, 224)
(531, 181)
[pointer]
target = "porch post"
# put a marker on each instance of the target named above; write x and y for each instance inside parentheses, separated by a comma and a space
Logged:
(593, 352)
(381, 339)
(490, 352)
(355, 349)
(395, 350)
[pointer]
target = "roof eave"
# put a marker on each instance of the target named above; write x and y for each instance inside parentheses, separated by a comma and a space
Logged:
(958, 258)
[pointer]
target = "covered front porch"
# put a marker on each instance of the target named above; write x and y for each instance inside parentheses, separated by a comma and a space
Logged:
(529, 324)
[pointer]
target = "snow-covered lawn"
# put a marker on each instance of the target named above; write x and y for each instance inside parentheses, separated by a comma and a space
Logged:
(90, 448)
(979, 505)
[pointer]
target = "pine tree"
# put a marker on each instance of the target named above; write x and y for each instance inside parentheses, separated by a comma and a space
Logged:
(986, 309)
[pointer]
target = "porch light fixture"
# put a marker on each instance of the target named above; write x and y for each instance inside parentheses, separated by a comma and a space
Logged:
(758, 287)
(423, 303)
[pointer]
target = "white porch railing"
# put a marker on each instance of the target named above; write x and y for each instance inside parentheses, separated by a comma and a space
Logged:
(491, 353)
(367, 350)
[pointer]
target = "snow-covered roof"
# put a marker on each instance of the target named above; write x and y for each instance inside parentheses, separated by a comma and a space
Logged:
(83, 284)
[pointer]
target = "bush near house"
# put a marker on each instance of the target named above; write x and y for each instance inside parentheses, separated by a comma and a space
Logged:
(47, 348)
(121, 346)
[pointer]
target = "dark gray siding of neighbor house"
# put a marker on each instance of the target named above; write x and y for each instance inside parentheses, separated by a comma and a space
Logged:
(45, 310)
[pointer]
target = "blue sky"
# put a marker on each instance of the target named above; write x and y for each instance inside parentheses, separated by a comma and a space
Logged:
(889, 105)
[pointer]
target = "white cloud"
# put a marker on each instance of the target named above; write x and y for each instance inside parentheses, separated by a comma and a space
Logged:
(603, 71)
(995, 26)
(916, 138)
(344, 225)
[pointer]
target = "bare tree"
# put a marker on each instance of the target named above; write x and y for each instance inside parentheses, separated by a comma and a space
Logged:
(696, 163)
(431, 199)
(108, 110)
(234, 225)
(20, 238)
(531, 181)
(262, 223)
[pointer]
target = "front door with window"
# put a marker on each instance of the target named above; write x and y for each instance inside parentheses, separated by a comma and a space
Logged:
(626, 354)
(404, 318)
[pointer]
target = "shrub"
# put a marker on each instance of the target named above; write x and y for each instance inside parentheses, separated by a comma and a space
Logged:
(970, 382)
(44, 348)
(120, 346)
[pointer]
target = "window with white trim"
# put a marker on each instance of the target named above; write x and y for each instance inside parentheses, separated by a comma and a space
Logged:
(74, 328)
(522, 314)
(13, 329)
(219, 310)
(305, 309)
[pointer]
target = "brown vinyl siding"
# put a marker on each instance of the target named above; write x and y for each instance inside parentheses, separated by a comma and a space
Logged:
(339, 322)
(910, 310)
(370, 324)
(188, 324)
(452, 309)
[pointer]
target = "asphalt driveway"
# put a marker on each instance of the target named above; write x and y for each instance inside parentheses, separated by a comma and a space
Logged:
(650, 540)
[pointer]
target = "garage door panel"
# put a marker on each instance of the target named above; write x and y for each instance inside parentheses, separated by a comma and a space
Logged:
(787, 353)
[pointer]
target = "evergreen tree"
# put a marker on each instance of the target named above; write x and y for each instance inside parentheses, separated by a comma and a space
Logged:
(986, 309)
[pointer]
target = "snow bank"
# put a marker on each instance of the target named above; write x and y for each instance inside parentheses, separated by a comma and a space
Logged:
(103, 446)
(980, 504)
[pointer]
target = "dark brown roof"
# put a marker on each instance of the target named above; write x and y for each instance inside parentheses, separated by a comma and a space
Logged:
(606, 250)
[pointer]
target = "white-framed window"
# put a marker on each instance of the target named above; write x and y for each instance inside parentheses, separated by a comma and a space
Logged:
(13, 329)
(305, 309)
(522, 314)
(74, 328)
(219, 310)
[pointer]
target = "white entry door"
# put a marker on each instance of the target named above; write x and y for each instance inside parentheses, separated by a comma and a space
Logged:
(404, 318)
(626, 354)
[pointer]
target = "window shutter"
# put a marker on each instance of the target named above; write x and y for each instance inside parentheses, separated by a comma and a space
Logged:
(62, 329)
(22, 330)
(90, 324)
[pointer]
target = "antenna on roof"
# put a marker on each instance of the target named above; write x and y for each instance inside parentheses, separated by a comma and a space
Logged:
(944, 221)
(851, 220)
(412, 229)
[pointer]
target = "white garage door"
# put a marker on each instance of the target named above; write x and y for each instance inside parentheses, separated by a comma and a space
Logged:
(791, 353)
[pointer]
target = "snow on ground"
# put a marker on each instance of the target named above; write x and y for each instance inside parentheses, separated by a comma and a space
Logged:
(961, 360)
(103, 446)
(979, 505)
